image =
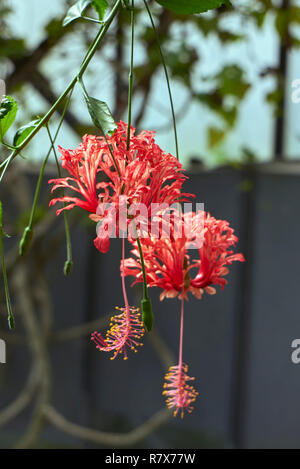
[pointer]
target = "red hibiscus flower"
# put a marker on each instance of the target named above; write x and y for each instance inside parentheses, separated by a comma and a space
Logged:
(170, 264)
(101, 170)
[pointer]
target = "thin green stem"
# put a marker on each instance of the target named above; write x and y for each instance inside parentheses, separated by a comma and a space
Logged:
(92, 20)
(42, 171)
(70, 86)
(6, 164)
(10, 317)
(146, 302)
(38, 190)
(69, 262)
(145, 287)
(130, 86)
(166, 74)
(146, 305)
(28, 232)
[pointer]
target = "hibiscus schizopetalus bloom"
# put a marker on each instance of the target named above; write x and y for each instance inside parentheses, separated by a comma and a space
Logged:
(169, 265)
(144, 174)
(103, 171)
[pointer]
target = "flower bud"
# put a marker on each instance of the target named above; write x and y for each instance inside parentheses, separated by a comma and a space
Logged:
(68, 267)
(147, 314)
(25, 241)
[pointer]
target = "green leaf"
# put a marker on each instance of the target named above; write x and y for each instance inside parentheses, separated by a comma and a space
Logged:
(188, 7)
(215, 136)
(8, 112)
(101, 115)
(147, 314)
(100, 6)
(76, 11)
(25, 241)
(24, 131)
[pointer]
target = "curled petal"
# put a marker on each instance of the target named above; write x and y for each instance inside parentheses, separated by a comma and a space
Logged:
(170, 266)
(144, 174)
(75, 202)
(102, 243)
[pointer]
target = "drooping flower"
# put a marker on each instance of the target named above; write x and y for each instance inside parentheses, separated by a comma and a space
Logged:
(170, 265)
(126, 329)
(83, 165)
(101, 170)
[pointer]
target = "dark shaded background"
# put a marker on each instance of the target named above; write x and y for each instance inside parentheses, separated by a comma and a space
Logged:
(237, 343)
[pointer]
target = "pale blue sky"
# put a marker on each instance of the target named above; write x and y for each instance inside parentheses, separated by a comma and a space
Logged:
(255, 126)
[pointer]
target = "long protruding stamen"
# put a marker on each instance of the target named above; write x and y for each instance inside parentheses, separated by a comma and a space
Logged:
(126, 329)
(123, 278)
(180, 394)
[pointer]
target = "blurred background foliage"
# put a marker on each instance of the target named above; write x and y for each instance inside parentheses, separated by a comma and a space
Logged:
(232, 72)
(229, 70)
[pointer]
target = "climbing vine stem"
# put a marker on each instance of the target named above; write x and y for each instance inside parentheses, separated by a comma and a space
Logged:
(69, 262)
(28, 232)
(10, 316)
(130, 85)
(98, 39)
(166, 74)
(146, 306)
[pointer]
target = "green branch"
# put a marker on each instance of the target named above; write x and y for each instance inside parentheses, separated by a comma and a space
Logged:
(167, 76)
(69, 262)
(28, 232)
(10, 317)
(130, 83)
(146, 306)
(70, 86)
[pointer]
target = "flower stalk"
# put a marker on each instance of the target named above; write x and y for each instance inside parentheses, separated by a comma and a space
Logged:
(146, 305)
(167, 77)
(10, 316)
(130, 81)
(25, 242)
(98, 39)
(68, 266)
